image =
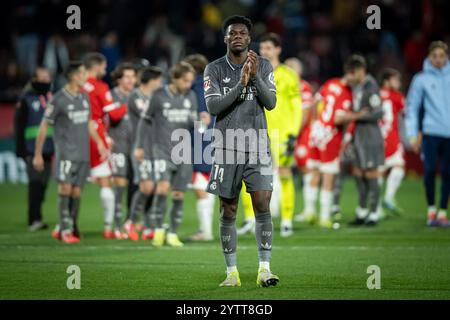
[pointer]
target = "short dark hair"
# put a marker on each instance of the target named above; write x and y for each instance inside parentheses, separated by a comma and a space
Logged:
(438, 45)
(197, 61)
(149, 73)
(120, 70)
(92, 59)
(388, 73)
(72, 68)
(237, 20)
(180, 69)
(272, 37)
(354, 62)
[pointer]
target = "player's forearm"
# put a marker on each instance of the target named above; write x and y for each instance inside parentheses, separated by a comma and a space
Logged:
(93, 133)
(267, 97)
(345, 118)
(140, 133)
(372, 116)
(40, 139)
(217, 104)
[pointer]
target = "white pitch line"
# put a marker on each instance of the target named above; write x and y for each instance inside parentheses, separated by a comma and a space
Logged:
(214, 247)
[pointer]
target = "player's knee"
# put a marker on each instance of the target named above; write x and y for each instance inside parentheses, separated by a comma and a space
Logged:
(262, 203)
(228, 210)
(76, 192)
(146, 187)
(177, 195)
(64, 189)
(163, 187)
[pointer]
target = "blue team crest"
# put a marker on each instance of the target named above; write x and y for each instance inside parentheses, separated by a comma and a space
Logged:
(187, 103)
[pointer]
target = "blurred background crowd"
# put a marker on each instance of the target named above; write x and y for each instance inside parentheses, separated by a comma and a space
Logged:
(320, 33)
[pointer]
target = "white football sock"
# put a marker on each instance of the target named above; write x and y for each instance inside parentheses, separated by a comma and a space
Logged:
(326, 200)
(264, 265)
(393, 182)
(276, 195)
(310, 200)
(107, 198)
(231, 269)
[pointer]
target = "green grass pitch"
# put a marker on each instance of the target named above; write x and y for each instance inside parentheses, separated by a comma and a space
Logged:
(313, 264)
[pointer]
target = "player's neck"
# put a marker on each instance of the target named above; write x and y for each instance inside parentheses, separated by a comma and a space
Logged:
(275, 63)
(92, 74)
(72, 88)
(237, 58)
(146, 90)
(173, 89)
(123, 91)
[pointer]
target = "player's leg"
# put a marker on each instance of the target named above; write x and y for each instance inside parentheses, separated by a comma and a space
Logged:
(65, 220)
(120, 185)
(430, 158)
(228, 238)
(264, 237)
(108, 202)
(287, 200)
(205, 207)
(249, 218)
(373, 195)
(179, 183)
(362, 188)
(445, 185)
(396, 164)
(119, 163)
(158, 210)
(176, 215)
(326, 200)
(143, 174)
(310, 195)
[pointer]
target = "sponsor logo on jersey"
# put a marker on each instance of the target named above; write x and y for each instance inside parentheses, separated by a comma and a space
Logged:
(70, 106)
(187, 103)
(226, 80)
(85, 104)
(166, 105)
(213, 185)
(374, 100)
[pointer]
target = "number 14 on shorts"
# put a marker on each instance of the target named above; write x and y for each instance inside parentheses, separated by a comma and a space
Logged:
(218, 173)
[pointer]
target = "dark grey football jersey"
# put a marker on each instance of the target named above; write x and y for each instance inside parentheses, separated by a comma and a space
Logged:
(367, 136)
(69, 115)
(120, 132)
(168, 112)
(246, 111)
(137, 107)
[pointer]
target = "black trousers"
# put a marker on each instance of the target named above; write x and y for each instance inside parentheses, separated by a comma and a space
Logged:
(37, 184)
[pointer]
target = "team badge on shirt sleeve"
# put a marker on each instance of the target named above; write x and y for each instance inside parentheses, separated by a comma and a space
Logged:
(206, 83)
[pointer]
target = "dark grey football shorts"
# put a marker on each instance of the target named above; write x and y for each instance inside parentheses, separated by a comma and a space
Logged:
(179, 175)
(72, 172)
(143, 171)
(231, 167)
(119, 164)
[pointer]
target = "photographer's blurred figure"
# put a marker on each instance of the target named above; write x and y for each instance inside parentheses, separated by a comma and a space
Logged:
(29, 113)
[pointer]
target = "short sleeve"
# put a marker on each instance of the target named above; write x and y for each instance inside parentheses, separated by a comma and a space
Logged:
(51, 112)
(211, 81)
(268, 76)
